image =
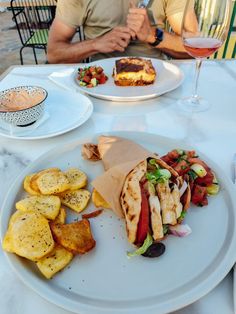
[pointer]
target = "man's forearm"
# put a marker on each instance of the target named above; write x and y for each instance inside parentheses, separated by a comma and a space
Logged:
(62, 52)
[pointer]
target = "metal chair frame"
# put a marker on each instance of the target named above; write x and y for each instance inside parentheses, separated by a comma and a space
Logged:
(32, 23)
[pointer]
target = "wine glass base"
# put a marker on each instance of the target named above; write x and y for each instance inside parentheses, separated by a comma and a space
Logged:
(193, 104)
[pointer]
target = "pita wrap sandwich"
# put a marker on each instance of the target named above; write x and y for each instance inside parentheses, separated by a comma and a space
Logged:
(154, 198)
(143, 189)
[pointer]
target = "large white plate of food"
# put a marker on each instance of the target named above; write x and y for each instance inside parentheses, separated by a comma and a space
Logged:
(128, 79)
(167, 241)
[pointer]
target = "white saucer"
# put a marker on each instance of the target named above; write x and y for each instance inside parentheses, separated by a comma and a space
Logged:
(65, 110)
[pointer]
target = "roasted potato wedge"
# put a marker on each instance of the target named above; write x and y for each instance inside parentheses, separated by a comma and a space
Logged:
(33, 180)
(29, 235)
(47, 205)
(76, 200)
(77, 178)
(76, 237)
(61, 217)
(6, 243)
(27, 185)
(98, 200)
(55, 261)
(52, 183)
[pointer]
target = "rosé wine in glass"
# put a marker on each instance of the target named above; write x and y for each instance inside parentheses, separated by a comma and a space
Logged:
(204, 29)
(201, 47)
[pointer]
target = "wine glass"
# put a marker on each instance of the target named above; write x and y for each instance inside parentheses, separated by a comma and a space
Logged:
(204, 29)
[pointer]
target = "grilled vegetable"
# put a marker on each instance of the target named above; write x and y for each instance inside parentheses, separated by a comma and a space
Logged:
(199, 170)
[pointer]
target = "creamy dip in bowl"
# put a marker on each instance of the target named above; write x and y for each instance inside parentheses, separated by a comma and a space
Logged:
(22, 105)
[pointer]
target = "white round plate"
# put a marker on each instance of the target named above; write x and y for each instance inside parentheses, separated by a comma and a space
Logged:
(66, 110)
(169, 77)
(105, 280)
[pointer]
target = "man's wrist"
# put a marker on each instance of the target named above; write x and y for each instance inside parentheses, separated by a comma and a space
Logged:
(151, 37)
(156, 37)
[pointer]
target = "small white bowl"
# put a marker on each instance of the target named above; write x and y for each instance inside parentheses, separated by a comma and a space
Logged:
(23, 105)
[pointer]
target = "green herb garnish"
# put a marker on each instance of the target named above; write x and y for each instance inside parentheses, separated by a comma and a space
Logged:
(183, 214)
(152, 161)
(165, 229)
(142, 249)
(158, 176)
(192, 175)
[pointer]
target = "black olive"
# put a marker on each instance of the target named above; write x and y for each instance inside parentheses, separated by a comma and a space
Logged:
(155, 250)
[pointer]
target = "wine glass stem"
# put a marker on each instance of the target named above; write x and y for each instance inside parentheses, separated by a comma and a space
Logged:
(197, 72)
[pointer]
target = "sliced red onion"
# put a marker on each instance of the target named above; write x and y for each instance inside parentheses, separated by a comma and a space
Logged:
(183, 188)
(180, 230)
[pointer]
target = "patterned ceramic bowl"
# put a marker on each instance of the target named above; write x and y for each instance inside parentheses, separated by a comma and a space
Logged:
(23, 105)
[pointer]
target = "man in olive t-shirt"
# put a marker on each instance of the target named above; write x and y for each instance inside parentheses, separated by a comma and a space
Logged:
(116, 28)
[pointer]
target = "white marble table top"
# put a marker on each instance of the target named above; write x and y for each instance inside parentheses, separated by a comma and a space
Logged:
(213, 132)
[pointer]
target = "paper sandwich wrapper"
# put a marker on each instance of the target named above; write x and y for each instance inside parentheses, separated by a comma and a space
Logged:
(119, 157)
